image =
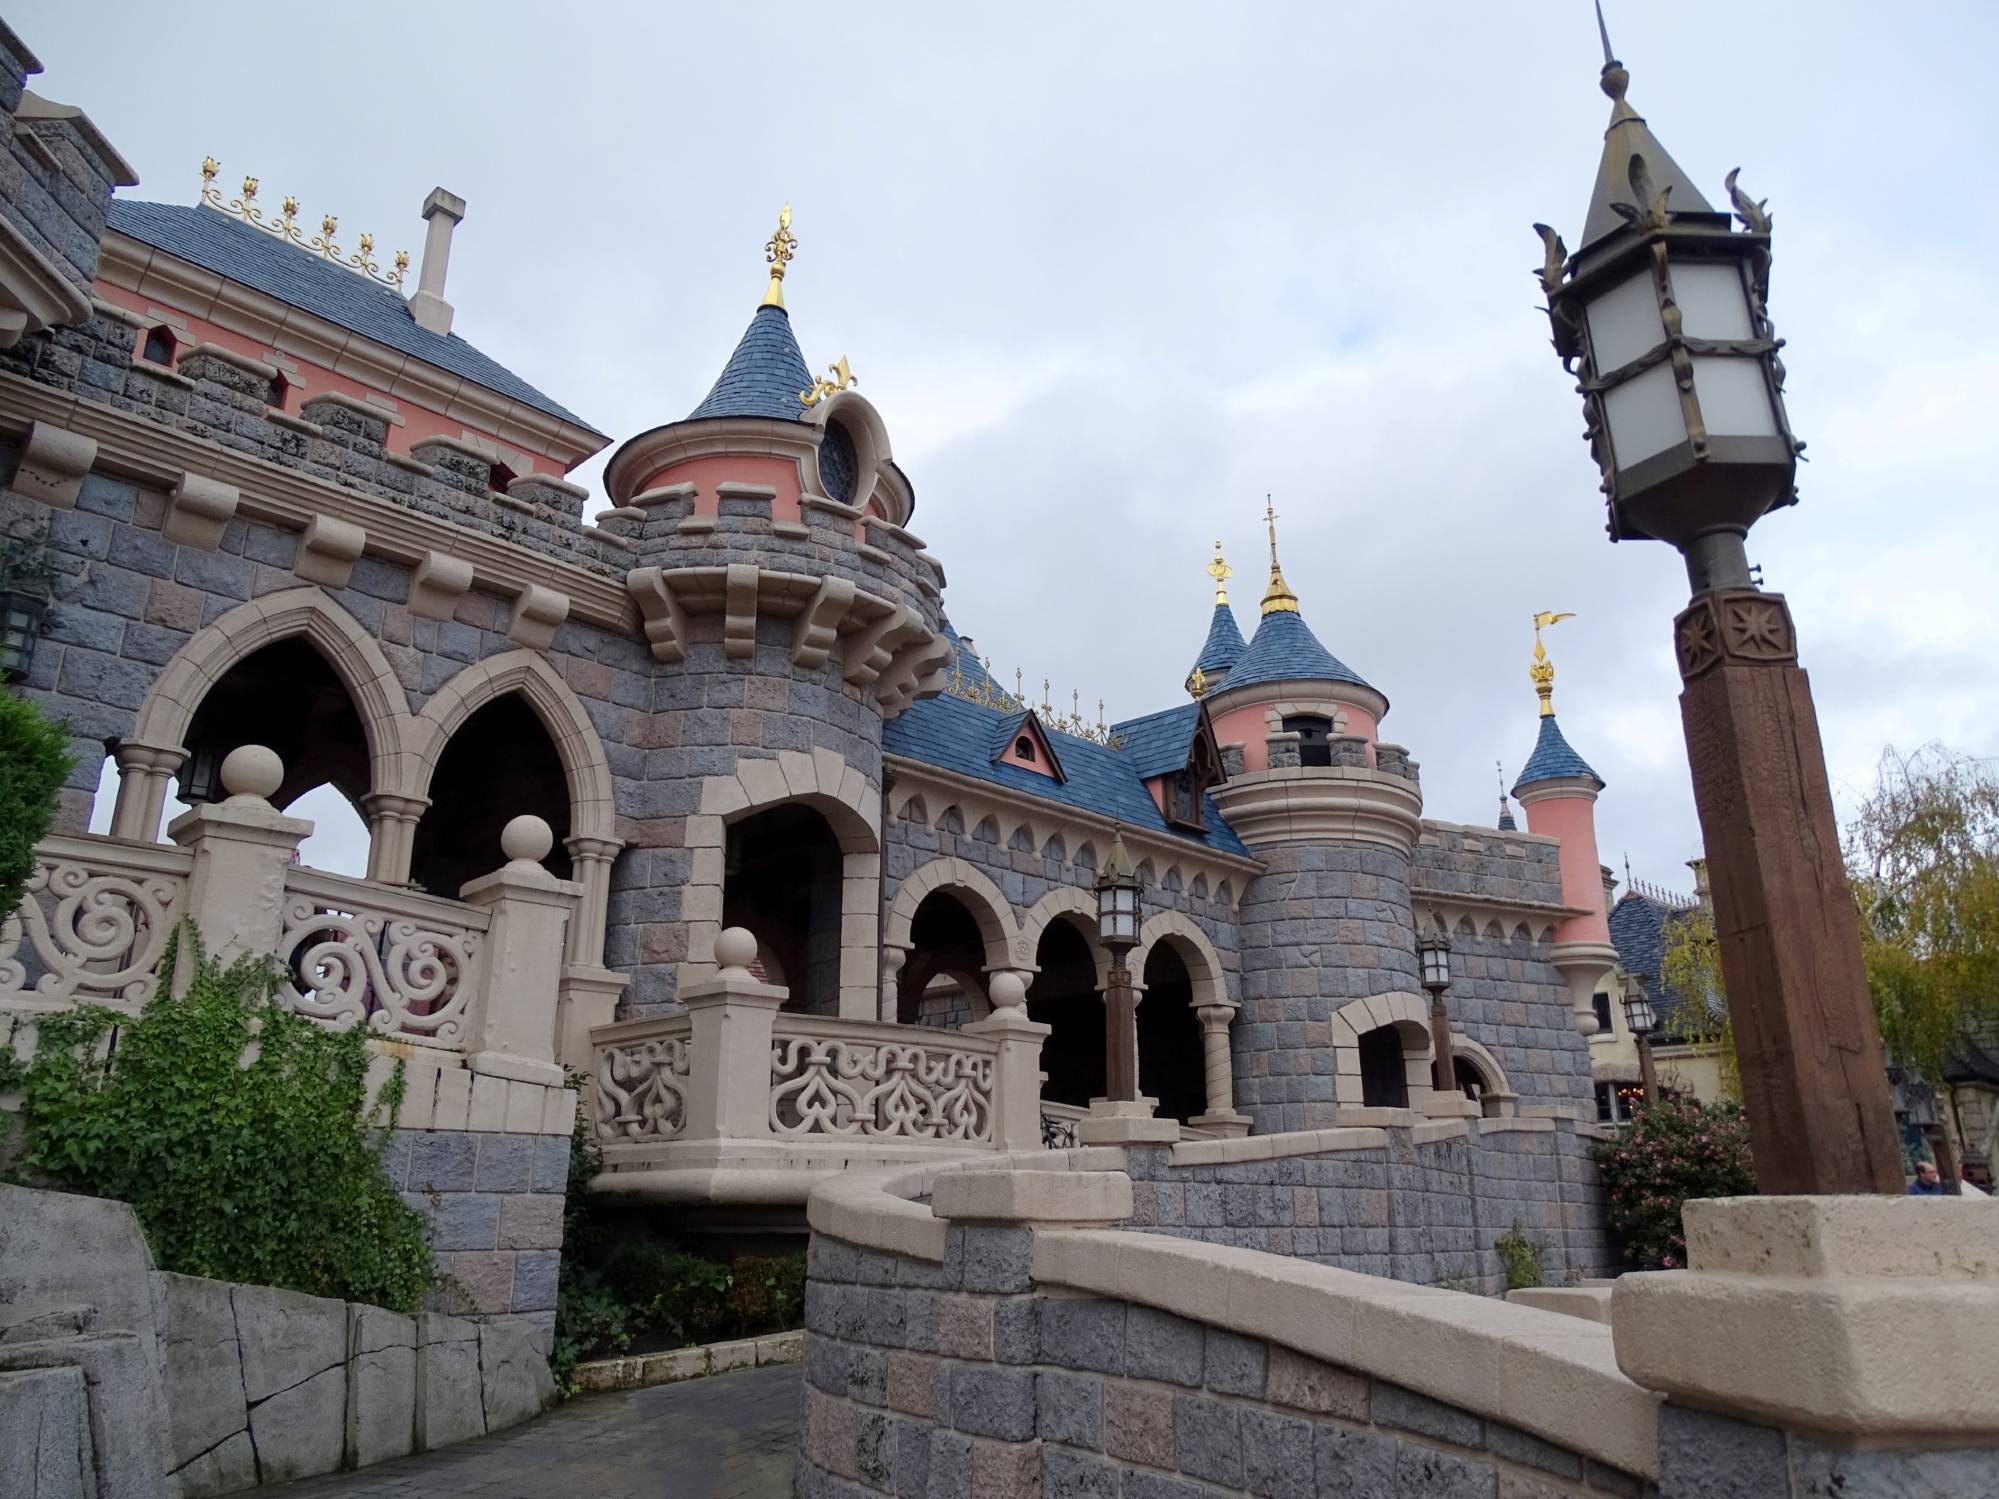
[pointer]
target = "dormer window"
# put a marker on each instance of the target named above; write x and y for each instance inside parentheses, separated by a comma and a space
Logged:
(1023, 749)
(159, 347)
(1315, 738)
(1185, 804)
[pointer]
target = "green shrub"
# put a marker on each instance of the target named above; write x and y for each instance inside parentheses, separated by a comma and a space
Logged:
(34, 759)
(1673, 1150)
(1521, 1256)
(268, 1173)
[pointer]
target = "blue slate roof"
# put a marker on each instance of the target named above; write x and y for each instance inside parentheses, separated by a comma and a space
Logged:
(216, 242)
(1285, 649)
(1552, 759)
(764, 376)
(1162, 742)
(1224, 645)
(1638, 927)
(955, 735)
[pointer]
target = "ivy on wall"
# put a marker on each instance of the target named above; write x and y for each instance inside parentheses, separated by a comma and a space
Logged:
(34, 759)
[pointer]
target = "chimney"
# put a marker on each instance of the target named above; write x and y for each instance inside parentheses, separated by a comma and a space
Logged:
(1702, 893)
(441, 213)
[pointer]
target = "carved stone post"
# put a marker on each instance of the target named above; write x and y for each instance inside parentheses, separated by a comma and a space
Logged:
(242, 847)
(590, 862)
(1221, 1117)
(1813, 1082)
(731, 1017)
(143, 772)
(392, 821)
(510, 1027)
(1017, 1067)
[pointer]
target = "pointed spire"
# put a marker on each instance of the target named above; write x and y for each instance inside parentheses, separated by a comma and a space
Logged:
(1221, 572)
(778, 250)
(1506, 822)
(1278, 597)
(1627, 136)
(1542, 672)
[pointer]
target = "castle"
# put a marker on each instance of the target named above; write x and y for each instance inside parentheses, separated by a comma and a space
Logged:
(283, 504)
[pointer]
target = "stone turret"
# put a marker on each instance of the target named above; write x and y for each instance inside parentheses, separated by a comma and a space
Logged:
(778, 583)
(1557, 790)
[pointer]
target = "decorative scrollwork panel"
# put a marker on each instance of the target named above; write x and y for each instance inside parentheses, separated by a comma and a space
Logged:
(642, 1090)
(88, 933)
(880, 1090)
(397, 975)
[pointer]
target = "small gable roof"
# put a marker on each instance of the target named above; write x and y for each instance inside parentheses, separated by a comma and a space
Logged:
(764, 376)
(1013, 725)
(1553, 759)
(1160, 743)
(214, 241)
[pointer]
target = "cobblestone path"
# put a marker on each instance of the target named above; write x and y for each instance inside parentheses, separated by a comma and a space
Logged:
(728, 1437)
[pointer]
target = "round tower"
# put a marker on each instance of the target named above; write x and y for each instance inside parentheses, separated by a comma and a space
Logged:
(1327, 935)
(1557, 790)
(790, 612)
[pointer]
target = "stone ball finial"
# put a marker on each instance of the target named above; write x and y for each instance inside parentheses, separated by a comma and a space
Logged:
(526, 839)
(250, 770)
(1586, 1022)
(735, 948)
(1007, 990)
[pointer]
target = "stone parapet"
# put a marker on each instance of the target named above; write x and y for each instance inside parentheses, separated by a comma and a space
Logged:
(1322, 804)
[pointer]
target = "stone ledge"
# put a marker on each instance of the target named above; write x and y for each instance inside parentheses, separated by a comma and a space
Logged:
(1033, 1196)
(642, 1371)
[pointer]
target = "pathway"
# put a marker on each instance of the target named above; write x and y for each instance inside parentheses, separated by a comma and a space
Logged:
(731, 1436)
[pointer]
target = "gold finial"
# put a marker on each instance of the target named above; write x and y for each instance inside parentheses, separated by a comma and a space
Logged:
(1278, 597)
(209, 168)
(1542, 672)
(842, 377)
(1221, 572)
(778, 250)
(1197, 683)
(245, 208)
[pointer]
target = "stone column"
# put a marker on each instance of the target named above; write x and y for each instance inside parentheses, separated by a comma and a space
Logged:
(1823, 1345)
(893, 960)
(242, 847)
(143, 773)
(729, 1042)
(392, 821)
(510, 1025)
(590, 862)
(1221, 1117)
(1017, 1067)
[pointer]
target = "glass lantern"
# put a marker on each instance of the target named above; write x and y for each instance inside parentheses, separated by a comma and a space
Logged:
(20, 627)
(1433, 953)
(1638, 1012)
(1118, 899)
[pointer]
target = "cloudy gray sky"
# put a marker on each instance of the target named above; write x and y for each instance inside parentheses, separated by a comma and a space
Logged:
(1113, 272)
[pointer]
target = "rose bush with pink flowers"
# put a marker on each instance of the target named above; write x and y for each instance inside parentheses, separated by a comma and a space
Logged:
(1672, 1150)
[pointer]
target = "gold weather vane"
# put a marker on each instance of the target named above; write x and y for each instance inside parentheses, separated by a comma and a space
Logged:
(285, 227)
(778, 250)
(822, 387)
(1278, 597)
(1542, 672)
(1221, 572)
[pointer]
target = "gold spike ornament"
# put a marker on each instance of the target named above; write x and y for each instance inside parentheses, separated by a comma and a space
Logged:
(1278, 597)
(778, 250)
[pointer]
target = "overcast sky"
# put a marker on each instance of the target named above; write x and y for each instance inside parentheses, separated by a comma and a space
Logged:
(1112, 273)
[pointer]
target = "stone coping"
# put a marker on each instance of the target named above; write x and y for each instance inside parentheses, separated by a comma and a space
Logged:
(1371, 1136)
(1551, 1375)
(641, 1371)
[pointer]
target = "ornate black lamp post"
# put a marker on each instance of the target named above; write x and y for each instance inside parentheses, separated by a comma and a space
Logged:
(1119, 899)
(1640, 1018)
(1433, 957)
(1661, 313)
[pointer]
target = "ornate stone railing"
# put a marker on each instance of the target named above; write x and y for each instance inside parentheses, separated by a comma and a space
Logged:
(869, 1080)
(93, 923)
(400, 963)
(642, 1082)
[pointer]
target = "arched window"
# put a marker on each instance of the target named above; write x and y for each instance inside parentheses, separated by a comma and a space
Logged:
(159, 346)
(499, 764)
(1384, 1080)
(1315, 742)
(781, 882)
(1023, 747)
(1171, 1065)
(1064, 996)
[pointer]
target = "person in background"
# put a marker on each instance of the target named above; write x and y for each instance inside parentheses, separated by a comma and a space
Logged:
(1927, 1182)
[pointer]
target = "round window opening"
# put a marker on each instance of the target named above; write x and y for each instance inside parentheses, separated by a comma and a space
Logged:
(839, 467)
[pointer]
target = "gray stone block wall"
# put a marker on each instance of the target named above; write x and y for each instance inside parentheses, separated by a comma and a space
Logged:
(1480, 861)
(493, 1204)
(1428, 1213)
(933, 1381)
(56, 192)
(1508, 997)
(1324, 925)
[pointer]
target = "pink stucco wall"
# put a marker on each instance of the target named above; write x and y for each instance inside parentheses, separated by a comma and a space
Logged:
(418, 422)
(1039, 764)
(1249, 724)
(1573, 820)
(711, 469)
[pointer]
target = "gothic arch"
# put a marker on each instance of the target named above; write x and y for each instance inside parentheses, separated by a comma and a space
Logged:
(1067, 900)
(592, 812)
(1196, 950)
(1005, 947)
(1482, 1060)
(351, 652)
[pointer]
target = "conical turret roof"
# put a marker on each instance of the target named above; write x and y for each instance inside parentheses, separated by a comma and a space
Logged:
(1285, 649)
(764, 376)
(1224, 645)
(1553, 760)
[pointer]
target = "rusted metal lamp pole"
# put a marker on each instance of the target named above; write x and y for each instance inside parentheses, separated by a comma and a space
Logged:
(1433, 957)
(1119, 899)
(1661, 312)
